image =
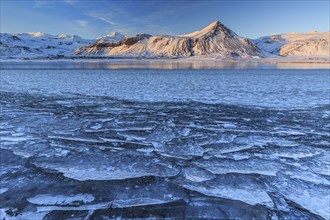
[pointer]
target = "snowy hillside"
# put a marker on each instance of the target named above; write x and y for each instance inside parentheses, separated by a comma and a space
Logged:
(312, 44)
(115, 36)
(38, 44)
(215, 39)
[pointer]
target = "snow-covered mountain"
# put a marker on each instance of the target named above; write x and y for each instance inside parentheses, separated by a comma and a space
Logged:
(115, 36)
(214, 39)
(38, 44)
(306, 45)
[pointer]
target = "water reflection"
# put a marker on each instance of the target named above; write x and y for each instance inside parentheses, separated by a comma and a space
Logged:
(160, 64)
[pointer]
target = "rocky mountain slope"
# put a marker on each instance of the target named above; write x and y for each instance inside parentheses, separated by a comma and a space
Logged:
(215, 40)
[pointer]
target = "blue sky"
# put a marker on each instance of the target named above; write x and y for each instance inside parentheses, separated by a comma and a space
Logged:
(93, 18)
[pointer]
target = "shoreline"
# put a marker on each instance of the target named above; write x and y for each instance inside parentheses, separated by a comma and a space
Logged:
(176, 59)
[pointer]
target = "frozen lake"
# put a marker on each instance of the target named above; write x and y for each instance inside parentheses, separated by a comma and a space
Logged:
(178, 143)
(275, 88)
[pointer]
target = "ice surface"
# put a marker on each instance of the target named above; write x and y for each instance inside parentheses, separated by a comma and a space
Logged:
(277, 88)
(80, 150)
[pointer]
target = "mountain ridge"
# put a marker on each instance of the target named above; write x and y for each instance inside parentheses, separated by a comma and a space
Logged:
(216, 40)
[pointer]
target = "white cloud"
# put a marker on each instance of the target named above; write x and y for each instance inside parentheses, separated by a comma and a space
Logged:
(106, 20)
(102, 18)
(82, 23)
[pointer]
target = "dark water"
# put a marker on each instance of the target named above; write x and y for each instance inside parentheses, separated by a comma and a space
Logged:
(101, 144)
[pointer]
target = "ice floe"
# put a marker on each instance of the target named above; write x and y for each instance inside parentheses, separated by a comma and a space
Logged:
(249, 166)
(111, 167)
(140, 202)
(197, 175)
(48, 199)
(3, 190)
(251, 197)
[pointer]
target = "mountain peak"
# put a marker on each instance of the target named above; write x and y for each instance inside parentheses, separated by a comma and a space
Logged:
(63, 36)
(211, 28)
(214, 24)
(115, 36)
(36, 34)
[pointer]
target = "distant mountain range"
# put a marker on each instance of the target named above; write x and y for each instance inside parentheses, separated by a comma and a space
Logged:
(215, 40)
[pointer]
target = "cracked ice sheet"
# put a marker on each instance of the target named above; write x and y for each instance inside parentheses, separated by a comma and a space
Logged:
(91, 207)
(140, 202)
(296, 153)
(181, 151)
(249, 166)
(252, 197)
(315, 200)
(22, 216)
(112, 166)
(263, 140)
(48, 199)
(307, 176)
(15, 139)
(197, 175)
(38, 150)
(218, 149)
